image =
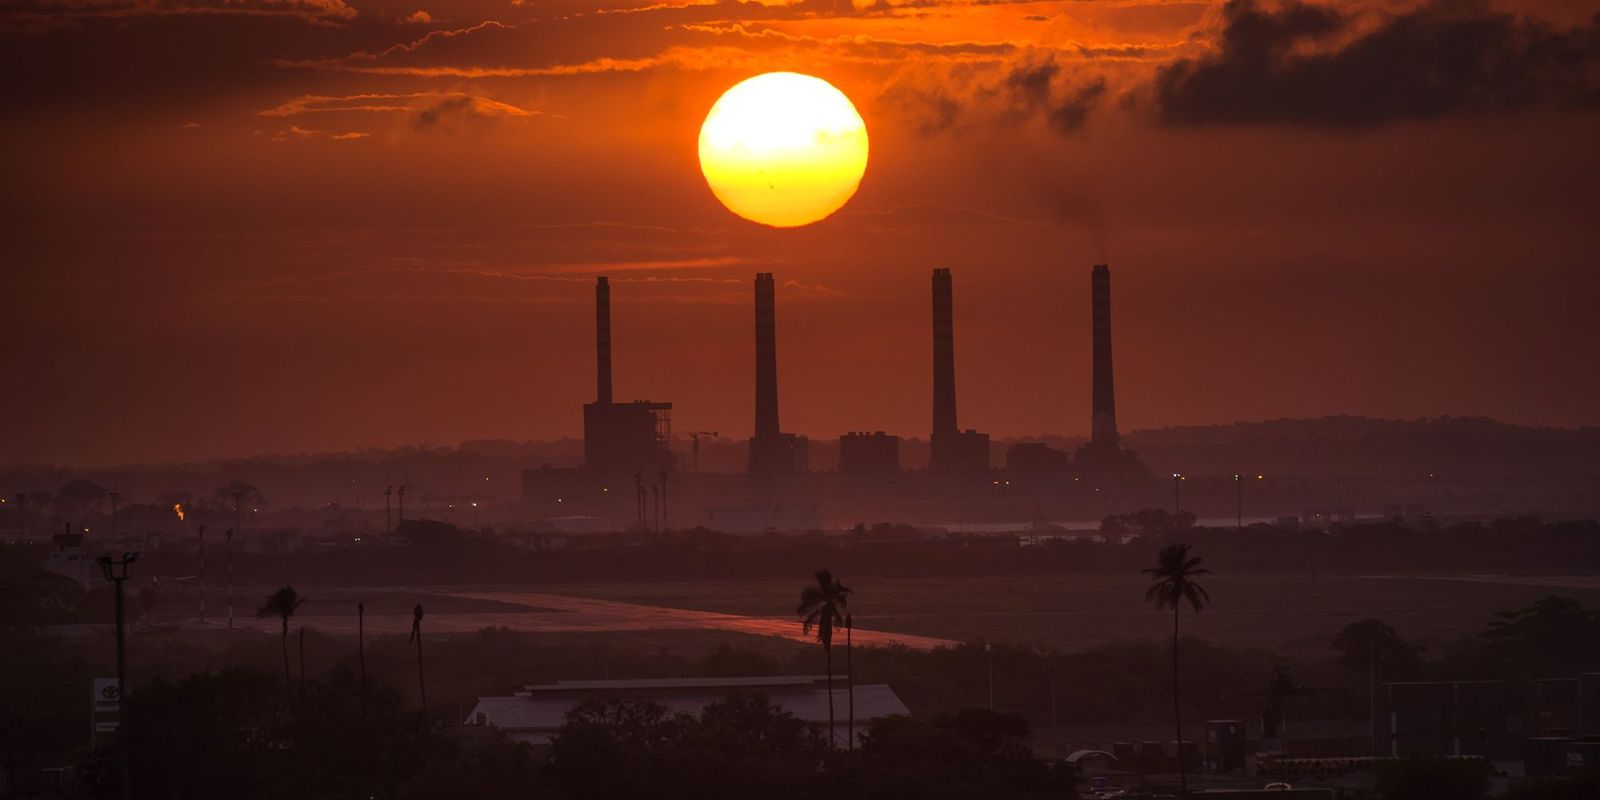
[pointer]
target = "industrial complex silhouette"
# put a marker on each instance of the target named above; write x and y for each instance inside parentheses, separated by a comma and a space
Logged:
(628, 463)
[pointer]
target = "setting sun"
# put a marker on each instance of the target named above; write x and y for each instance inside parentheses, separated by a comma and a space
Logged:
(783, 149)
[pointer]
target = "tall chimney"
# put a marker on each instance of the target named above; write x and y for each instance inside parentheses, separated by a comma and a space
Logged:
(944, 356)
(602, 326)
(766, 359)
(1103, 423)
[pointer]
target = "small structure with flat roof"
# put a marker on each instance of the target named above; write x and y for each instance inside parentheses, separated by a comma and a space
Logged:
(534, 714)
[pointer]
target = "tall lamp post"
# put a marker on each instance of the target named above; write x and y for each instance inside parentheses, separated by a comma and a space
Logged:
(117, 572)
(202, 573)
(1177, 493)
(1238, 500)
(228, 550)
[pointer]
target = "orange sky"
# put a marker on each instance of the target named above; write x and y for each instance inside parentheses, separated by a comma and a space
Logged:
(310, 225)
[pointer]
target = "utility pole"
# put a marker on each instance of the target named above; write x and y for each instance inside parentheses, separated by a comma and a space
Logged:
(202, 571)
(638, 497)
(850, 680)
(655, 514)
(1372, 690)
(1238, 500)
(1053, 723)
(989, 648)
(112, 574)
(402, 516)
(694, 440)
(666, 515)
(361, 653)
(228, 552)
(238, 507)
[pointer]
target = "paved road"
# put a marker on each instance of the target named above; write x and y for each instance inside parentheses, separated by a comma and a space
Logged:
(563, 613)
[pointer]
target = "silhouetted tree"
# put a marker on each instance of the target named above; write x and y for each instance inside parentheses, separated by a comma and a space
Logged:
(416, 636)
(1556, 629)
(249, 495)
(822, 606)
(78, 498)
(282, 604)
(1433, 779)
(1375, 641)
(1174, 584)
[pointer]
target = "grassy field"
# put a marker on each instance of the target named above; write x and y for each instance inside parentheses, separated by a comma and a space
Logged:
(1295, 614)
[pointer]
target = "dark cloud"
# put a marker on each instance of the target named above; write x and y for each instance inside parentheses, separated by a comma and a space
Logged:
(467, 108)
(1300, 63)
(955, 98)
(1034, 89)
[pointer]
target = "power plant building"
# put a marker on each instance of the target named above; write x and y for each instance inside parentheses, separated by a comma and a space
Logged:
(875, 453)
(621, 438)
(954, 450)
(772, 452)
(628, 477)
(1103, 454)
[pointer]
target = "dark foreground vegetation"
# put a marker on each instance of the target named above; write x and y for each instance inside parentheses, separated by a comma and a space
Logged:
(241, 734)
(217, 703)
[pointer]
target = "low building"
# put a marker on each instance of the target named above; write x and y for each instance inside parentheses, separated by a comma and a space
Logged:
(536, 713)
(869, 453)
(69, 557)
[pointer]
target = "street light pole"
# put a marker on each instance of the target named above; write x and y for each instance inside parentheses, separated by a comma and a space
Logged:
(202, 571)
(112, 574)
(1052, 699)
(666, 517)
(228, 548)
(1177, 495)
(1238, 508)
(990, 649)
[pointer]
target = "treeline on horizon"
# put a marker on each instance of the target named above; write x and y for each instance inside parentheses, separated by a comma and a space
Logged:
(1333, 446)
(431, 552)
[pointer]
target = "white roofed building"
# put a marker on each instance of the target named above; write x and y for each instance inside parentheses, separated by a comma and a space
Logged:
(534, 714)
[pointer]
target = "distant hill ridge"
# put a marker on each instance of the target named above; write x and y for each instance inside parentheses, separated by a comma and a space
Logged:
(1349, 445)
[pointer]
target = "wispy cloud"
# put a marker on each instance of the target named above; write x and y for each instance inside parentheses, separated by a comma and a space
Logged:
(46, 13)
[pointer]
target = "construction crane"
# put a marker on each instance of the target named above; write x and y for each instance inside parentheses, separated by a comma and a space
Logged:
(694, 439)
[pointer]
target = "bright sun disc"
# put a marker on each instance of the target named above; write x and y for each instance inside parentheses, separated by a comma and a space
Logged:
(783, 149)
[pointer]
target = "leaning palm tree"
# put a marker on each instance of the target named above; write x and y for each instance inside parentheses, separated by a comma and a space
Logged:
(282, 604)
(822, 606)
(1174, 584)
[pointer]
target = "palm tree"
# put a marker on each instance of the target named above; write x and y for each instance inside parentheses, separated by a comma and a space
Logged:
(850, 680)
(282, 604)
(822, 606)
(1174, 584)
(422, 682)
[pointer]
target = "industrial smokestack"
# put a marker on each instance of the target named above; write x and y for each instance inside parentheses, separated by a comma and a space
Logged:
(766, 359)
(944, 356)
(1103, 423)
(602, 325)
